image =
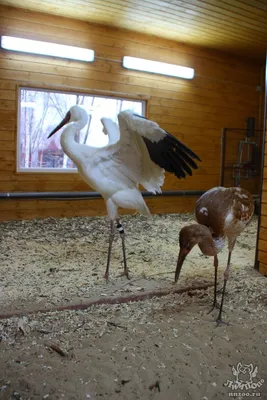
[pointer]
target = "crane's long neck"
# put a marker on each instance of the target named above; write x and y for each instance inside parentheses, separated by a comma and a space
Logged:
(68, 142)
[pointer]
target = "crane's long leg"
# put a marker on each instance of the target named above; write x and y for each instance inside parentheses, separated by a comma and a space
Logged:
(111, 238)
(226, 276)
(215, 303)
(122, 235)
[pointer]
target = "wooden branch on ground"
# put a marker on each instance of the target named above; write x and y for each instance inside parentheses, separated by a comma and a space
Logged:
(113, 300)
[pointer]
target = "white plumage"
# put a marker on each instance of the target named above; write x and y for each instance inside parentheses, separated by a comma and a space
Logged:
(128, 160)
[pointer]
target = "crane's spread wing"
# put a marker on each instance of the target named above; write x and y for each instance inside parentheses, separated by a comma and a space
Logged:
(127, 159)
(164, 149)
(111, 129)
(143, 151)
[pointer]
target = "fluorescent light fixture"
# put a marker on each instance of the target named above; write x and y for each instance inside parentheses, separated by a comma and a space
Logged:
(46, 48)
(157, 67)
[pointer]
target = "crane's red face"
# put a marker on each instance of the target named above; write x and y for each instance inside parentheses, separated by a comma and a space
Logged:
(65, 120)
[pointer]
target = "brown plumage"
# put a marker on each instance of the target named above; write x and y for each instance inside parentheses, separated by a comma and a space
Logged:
(223, 213)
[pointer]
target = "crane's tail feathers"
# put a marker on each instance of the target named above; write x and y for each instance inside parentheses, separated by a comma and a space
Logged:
(144, 210)
(130, 198)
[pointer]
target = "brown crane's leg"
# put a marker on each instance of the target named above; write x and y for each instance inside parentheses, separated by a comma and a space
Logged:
(111, 238)
(122, 235)
(215, 303)
(226, 276)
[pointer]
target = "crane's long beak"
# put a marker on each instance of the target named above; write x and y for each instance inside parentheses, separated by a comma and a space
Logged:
(62, 123)
(182, 254)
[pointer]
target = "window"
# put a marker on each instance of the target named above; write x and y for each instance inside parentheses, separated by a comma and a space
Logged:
(41, 110)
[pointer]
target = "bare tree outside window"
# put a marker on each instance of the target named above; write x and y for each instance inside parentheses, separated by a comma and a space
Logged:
(41, 110)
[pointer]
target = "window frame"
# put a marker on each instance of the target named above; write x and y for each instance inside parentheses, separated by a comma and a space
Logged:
(94, 93)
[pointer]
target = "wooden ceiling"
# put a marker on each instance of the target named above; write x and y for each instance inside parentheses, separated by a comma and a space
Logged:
(236, 26)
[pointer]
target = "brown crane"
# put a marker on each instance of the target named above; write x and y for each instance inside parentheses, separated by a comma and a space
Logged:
(222, 213)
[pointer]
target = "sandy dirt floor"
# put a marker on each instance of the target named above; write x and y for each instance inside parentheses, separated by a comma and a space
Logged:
(120, 351)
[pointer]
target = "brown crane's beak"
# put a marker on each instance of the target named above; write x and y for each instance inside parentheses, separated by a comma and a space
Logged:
(182, 254)
(62, 123)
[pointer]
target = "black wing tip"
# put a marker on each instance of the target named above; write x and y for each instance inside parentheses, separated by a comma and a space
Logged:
(173, 156)
(184, 147)
(189, 151)
(197, 158)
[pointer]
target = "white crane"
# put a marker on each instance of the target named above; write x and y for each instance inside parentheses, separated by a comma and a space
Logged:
(138, 153)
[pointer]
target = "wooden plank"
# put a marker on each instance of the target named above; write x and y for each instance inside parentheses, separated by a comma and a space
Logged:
(264, 209)
(264, 196)
(35, 205)
(95, 208)
(222, 121)
(7, 145)
(262, 257)
(263, 234)
(263, 268)
(215, 70)
(89, 208)
(41, 176)
(7, 124)
(263, 221)
(7, 105)
(7, 94)
(25, 205)
(197, 114)
(204, 174)
(7, 135)
(8, 115)
(198, 183)
(125, 76)
(264, 186)
(6, 84)
(7, 155)
(197, 104)
(8, 165)
(262, 245)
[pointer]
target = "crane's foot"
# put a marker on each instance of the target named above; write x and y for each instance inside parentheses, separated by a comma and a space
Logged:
(214, 306)
(106, 276)
(220, 322)
(125, 273)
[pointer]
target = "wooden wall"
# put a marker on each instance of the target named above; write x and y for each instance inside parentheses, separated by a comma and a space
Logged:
(222, 94)
(262, 243)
